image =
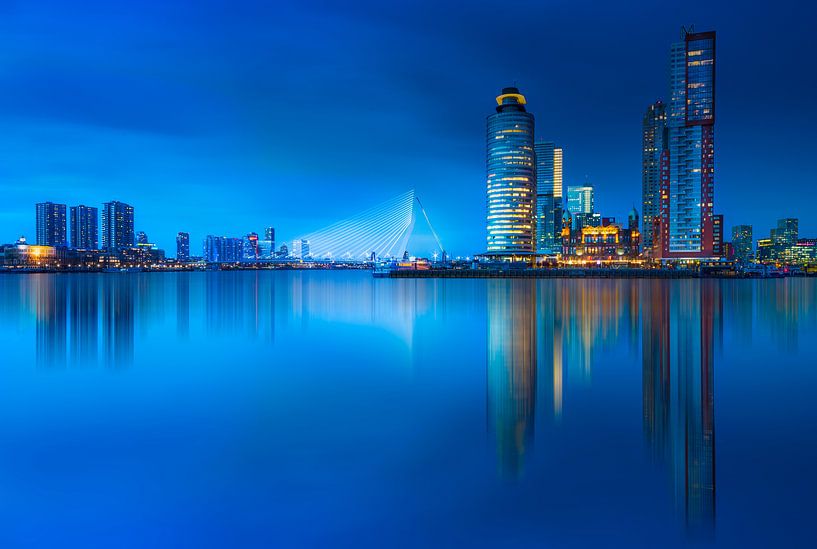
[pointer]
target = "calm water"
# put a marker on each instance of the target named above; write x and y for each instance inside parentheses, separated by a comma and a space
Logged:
(308, 408)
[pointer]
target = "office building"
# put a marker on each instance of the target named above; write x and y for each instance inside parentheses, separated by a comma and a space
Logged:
(687, 187)
(764, 250)
(51, 226)
(221, 249)
(117, 226)
(742, 242)
(548, 197)
(84, 227)
(785, 235)
(305, 249)
(183, 246)
(269, 234)
(717, 235)
(141, 237)
(653, 144)
(511, 178)
(580, 199)
(250, 247)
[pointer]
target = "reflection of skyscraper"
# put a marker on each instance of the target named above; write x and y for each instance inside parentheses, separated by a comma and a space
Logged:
(117, 319)
(52, 329)
(183, 305)
(511, 369)
(678, 391)
(84, 315)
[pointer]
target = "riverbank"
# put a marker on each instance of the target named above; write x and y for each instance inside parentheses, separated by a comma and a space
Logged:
(573, 273)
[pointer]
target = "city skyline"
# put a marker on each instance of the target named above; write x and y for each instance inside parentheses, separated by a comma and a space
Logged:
(134, 149)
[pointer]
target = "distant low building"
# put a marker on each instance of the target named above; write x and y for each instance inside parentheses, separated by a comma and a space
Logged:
(22, 254)
(608, 242)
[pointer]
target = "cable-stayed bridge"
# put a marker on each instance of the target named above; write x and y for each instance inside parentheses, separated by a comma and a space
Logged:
(383, 230)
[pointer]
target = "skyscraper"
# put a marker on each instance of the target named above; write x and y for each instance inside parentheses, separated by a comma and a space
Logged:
(580, 200)
(269, 234)
(250, 247)
(117, 226)
(183, 246)
(221, 249)
(511, 178)
(653, 143)
(84, 227)
(742, 242)
(51, 230)
(548, 197)
(784, 235)
(691, 156)
(141, 237)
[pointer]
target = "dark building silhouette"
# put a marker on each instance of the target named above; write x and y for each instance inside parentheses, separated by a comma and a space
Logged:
(84, 228)
(117, 226)
(51, 224)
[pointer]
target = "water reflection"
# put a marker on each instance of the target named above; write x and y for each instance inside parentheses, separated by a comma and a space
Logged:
(574, 368)
(511, 369)
(679, 323)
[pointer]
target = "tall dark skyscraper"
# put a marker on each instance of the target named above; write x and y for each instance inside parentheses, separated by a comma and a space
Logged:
(84, 227)
(51, 229)
(549, 159)
(117, 226)
(269, 234)
(653, 144)
(183, 246)
(691, 158)
(511, 178)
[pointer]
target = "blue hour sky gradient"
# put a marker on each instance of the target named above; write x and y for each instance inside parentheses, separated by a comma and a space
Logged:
(226, 117)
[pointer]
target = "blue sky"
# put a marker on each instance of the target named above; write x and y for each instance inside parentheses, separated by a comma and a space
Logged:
(226, 117)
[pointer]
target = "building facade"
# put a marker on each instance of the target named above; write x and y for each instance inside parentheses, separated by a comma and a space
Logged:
(51, 224)
(183, 246)
(742, 242)
(691, 154)
(549, 159)
(580, 199)
(717, 235)
(653, 143)
(117, 226)
(84, 228)
(511, 178)
(222, 249)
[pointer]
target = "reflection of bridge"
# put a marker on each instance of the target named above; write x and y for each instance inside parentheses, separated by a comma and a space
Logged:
(383, 230)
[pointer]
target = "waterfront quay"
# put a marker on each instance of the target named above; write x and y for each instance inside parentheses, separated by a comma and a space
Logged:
(579, 273)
